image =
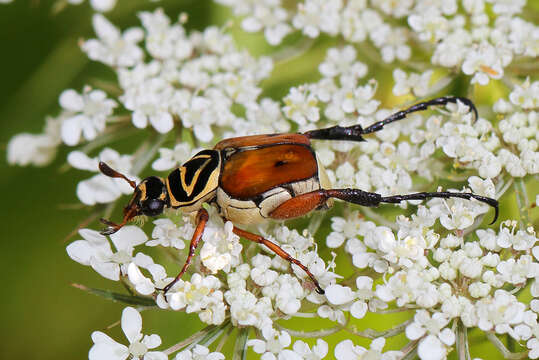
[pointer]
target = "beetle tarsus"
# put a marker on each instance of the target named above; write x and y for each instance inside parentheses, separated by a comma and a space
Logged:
(365, 198)
(355, 132)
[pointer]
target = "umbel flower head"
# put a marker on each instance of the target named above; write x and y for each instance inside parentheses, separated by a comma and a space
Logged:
(437, 261)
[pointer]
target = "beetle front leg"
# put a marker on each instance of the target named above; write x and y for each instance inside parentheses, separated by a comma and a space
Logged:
(355, 132)
(201, 220)
(279, 251)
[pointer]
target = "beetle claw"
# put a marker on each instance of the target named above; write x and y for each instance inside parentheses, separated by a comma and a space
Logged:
(111, 227)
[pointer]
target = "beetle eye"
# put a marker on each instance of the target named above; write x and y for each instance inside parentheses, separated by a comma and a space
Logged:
(153, 207)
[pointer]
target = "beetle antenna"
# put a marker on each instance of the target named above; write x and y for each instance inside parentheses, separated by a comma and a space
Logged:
(129, 212)
(110, 172)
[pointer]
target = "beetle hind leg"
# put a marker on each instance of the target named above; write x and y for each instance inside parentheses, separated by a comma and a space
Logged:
(279, 251)
(302, 204)
(356, 132)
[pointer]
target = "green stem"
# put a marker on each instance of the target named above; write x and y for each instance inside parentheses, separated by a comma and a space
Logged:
(293, 51)
(240, 347)
(379, 219)
(193, 339)
(373, 334)
(224, 339)
(211, 336)
(409, 352)
(311, 334)
(501, 348)
(522, 203)
(144, 157)
(315, 222)
(463, 348)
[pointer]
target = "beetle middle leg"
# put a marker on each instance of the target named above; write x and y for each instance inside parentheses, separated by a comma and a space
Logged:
(302, 204)
(279, 251)
(201, 220)
(355, 132)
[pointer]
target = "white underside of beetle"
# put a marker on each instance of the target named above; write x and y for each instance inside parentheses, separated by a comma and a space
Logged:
(245, 212)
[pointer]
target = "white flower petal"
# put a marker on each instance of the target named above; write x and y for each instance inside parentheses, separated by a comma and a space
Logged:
(131, 324)
(71, 100)
(338, 294)
(431, 348)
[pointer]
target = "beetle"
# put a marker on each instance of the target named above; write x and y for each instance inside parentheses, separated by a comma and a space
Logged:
(254, 178)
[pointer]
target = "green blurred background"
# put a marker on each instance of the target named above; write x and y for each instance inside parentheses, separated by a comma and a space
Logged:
(42, 315)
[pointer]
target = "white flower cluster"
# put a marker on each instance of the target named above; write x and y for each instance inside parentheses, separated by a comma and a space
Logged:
(250, 295)
(386, 167)
(449, 278)
(511, 145)
(481, 45)
(195, 80)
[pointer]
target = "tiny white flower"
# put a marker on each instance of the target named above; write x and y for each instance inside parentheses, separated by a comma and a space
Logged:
(314, 16)
(166, 233)
(103, 5)
(171, 158)
(301, 106)
(87, 114)
(274, 345)
(31, 149)
(199, 352)
(418, 84)
(221, 249)
(101, 188)
(95, 250)
(346, 350)
(114, 48)
(318, 351)
(484, 64)
(139, 345)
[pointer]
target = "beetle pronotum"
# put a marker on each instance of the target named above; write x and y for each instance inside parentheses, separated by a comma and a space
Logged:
(254, 178)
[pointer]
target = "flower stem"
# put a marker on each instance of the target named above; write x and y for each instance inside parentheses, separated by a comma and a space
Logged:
(463, 346)
(240, 347)
(501, 348)
(145, 156)
(224, 338)
(410, 350)
(373, 334)
(311, 334)
(379, 219)
(522, 203)
(193, 339)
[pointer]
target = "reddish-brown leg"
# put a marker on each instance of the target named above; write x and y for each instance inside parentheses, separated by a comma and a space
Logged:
(302, 204)
(299, 205)
(279, 251)
(201, 220)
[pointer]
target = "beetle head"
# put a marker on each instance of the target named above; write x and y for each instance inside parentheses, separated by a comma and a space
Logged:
(149, 198)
